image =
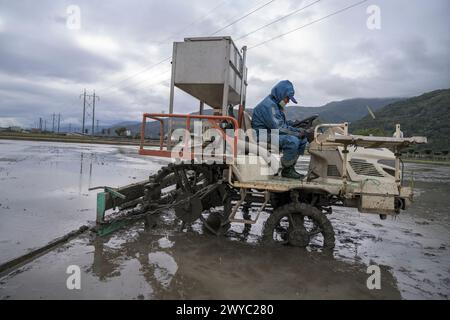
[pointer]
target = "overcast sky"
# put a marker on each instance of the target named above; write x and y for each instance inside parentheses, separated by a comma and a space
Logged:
(44, 64)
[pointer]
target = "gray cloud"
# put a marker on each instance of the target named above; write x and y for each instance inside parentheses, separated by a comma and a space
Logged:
(44, 66)
(33, 57)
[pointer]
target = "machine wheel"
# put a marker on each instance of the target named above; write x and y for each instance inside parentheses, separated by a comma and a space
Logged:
(173, 181)
(300, 225)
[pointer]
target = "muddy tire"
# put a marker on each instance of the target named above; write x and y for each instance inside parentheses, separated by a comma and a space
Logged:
(288, 223)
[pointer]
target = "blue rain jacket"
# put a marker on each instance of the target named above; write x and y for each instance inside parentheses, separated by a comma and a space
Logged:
(268, 115)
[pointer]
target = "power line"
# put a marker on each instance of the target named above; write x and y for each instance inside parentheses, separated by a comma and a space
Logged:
(243, 17)
(195, 22)
(140, 82)
(151, 66)
(228, 25)
(138, 73)
(246, 35)
(273, 22)
(308, 24)
(168, 58)
(277, 20)
(233, 22)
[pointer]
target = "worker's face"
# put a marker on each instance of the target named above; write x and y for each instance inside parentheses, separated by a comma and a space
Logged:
(283, 103)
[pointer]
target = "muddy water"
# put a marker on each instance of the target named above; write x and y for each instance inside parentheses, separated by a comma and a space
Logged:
(44, 188)
(165, 262)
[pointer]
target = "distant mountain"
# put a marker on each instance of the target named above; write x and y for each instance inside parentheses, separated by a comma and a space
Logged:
(425, 115)
(125, 123)
(340, 111)
(151, 128)
(336, 111)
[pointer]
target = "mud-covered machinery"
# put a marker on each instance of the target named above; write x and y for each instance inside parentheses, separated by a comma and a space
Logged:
(240, 181)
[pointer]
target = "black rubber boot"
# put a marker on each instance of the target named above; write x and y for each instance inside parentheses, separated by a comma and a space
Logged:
(290, 172)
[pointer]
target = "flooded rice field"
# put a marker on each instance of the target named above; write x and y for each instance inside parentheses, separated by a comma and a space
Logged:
(44, 194)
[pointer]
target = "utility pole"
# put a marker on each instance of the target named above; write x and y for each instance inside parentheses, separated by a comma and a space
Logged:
(93, 111)
(70, 127)
(40, 123)
(97, 126)
(93, 96)
(59, 120)
(84, 108)
(53, 122)
(45, 124)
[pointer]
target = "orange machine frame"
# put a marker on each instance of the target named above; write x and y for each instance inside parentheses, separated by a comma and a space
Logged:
(215, 120)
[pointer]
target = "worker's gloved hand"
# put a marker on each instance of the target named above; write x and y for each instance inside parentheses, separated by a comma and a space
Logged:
(308, 134)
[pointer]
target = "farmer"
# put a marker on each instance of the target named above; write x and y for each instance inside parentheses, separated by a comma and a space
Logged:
(269, 114)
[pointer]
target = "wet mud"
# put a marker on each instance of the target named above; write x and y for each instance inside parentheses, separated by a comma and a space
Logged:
(44, 194)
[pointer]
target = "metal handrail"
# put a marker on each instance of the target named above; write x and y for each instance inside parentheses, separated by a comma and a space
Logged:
(343, 126)
(188, 117)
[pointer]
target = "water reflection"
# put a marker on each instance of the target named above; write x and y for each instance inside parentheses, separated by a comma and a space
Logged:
(180, 265)
(164, 266)
(47, 182)
(91, 158)
(153, 253)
